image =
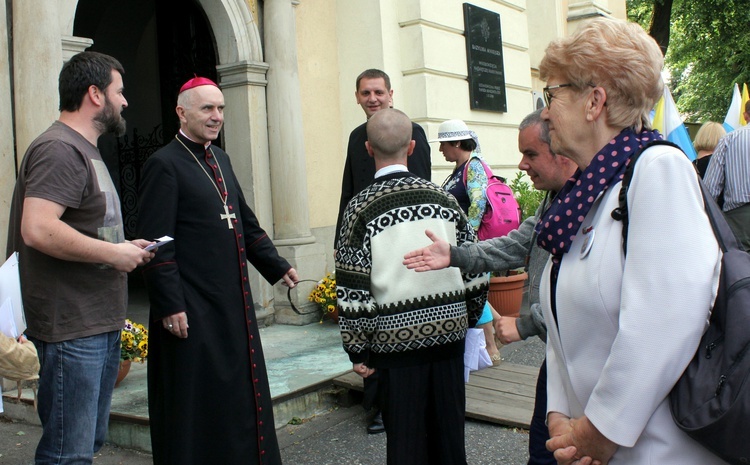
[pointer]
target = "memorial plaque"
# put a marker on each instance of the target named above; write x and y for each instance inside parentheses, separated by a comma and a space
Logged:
(484, 56)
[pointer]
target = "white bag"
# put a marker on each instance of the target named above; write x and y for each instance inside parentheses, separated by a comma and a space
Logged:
(475, 353)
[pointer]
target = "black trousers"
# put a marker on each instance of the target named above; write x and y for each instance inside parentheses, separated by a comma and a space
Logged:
(370, 398)
(424, 413)
(538, 432)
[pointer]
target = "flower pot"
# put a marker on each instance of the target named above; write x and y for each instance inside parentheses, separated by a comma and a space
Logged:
(506, 294)
(333, 316)
(123, 371)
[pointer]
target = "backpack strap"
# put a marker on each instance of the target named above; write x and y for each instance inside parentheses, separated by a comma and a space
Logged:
(487, 169)
(621, 213)
(724, 234)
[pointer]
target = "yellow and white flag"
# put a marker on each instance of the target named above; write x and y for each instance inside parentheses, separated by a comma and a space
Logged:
(734, 118)
(745, 98)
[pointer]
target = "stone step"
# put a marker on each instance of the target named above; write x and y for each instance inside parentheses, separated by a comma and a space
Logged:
(301, 361)
(132, 431)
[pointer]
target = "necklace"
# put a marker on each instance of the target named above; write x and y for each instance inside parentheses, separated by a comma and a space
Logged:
(223, 216)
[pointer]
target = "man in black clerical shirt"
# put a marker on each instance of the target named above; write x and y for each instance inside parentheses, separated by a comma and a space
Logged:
(374, 93)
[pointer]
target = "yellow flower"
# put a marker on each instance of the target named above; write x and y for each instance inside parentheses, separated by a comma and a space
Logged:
(324, 294)
(133, 342)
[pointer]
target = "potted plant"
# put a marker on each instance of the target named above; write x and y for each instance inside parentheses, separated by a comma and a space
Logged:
(506, 292)
(506, 289)
(133, 347)
(324, 295)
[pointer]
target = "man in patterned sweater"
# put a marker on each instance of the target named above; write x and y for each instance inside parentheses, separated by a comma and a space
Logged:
(409, 326)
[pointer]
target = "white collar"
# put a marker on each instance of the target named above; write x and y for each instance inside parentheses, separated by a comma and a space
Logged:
(397, 168)
(205, 146)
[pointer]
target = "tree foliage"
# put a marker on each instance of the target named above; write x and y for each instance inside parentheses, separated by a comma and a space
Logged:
(709, 51)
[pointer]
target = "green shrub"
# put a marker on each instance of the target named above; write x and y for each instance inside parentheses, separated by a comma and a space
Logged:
(527, 197)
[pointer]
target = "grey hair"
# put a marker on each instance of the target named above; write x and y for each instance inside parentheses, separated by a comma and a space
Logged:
(185, 100)
(534, 118)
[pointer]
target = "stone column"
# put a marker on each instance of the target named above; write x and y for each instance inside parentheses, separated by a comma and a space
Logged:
(246, 141)
(7, 158)
(285, 137)
(37, 59)
(287, 160)
(72, 45)
(580, 12)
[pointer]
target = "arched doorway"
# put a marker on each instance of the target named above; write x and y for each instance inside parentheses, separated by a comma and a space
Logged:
(131, 30)
(161, 44)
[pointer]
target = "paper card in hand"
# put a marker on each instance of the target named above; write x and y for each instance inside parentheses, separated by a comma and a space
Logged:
(159, 242)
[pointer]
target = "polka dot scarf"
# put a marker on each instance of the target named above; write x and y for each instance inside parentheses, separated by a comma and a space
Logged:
(558, 227)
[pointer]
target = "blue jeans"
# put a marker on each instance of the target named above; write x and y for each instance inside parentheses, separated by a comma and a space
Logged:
(76, 380)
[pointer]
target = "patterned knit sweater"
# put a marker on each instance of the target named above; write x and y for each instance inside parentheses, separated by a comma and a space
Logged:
(389, 315)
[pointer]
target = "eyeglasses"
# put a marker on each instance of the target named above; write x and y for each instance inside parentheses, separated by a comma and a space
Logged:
(548, 96)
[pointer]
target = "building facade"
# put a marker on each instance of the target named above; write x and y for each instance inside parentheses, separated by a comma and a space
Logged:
(287, 69)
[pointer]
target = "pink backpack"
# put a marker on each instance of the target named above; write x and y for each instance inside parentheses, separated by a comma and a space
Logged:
(502, 213)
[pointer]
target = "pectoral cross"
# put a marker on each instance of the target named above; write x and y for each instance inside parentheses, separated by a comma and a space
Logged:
(228, 216)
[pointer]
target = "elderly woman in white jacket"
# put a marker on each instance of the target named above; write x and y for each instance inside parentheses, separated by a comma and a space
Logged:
(621, 327)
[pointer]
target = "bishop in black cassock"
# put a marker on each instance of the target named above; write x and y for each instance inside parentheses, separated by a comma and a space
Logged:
(209, 399)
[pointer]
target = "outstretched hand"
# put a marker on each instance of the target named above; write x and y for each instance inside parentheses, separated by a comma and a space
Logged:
(435, 256)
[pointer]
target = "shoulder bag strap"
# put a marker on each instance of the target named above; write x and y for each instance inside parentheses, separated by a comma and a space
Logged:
(621, 213)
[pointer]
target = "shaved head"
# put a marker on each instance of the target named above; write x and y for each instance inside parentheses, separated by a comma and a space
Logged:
(389, 133)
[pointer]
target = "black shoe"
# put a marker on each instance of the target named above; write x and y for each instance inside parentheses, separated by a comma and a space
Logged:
(376, 425)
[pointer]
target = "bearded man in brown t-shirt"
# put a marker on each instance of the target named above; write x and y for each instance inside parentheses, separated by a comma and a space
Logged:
(66, 226)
